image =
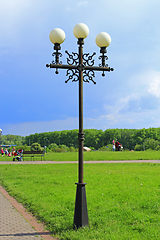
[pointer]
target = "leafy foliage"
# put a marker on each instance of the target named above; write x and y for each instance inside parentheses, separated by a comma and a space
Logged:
(36, 147)
(95, 139)
(24, 147)
(138, 147)
(12, 139)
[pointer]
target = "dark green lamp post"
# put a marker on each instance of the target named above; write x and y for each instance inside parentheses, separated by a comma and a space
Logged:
(0, 139)
(80, 67)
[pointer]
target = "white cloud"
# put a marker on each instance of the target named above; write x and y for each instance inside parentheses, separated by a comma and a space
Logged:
(144, 83)
(83, 4)
(154, 87)
(74, 7)
(140, 101)
(141, 119)
(69, 9)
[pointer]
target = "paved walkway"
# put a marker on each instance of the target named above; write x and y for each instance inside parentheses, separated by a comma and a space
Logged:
(16, 223)
(88, 162)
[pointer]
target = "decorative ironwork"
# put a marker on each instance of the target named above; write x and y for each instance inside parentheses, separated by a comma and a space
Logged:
(73, 75)
(57, 56)
(88, 75)
(87, 60)
(103, 58)
(73, 59)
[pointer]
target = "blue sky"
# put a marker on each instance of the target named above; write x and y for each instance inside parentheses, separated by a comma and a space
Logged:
(34, 99)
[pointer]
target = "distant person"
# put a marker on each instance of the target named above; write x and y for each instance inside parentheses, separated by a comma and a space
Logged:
(18, 155)
(9, 154)
(13, 151)
(6, 152)
(118, 146)
(2, 152)
(113, 146)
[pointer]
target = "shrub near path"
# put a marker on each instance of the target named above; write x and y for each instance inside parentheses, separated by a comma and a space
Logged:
(123, 199)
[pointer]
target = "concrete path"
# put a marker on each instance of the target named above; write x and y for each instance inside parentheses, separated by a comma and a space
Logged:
(88, 162)
(16, 223)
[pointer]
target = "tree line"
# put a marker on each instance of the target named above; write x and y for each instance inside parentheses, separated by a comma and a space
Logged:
(136, 139)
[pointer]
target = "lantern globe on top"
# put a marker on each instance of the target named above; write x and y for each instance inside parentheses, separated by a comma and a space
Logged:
(103, 39)
(81, 30)
(57, 35)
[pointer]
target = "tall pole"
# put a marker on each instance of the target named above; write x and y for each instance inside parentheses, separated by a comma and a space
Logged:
(81, 134)
(80, 67)
(81, 213)
(0, 138)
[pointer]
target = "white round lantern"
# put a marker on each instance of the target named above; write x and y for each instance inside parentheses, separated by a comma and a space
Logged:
(81, 30)
(103, 39)
(57, 35)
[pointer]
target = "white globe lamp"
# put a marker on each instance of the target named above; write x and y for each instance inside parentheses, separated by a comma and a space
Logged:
(103, 39)
(81, 30)
(57, 35)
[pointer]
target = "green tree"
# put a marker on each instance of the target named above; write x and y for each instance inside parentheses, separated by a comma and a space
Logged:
(151, 144)
(53, 147)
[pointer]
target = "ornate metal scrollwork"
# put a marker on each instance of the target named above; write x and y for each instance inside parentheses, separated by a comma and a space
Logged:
(103, 58)
(79, 66)
(88, 76)
(57, 56)
(87, 60)
(73, 75)
(73, 58)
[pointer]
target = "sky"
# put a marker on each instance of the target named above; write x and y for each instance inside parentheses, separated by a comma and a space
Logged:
(34, 99)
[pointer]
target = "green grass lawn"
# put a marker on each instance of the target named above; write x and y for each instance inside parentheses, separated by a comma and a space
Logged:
(123, 199)
(96, 155)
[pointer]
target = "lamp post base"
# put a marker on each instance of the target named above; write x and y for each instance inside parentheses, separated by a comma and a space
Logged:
(81, 213)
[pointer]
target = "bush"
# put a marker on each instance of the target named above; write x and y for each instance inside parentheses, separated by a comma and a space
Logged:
(157, 148)
(92, 148)
(151, 143)
(72, 149)
(138, 147)
(66, 149)
(60, 150)
(106, 148)
(36, 147)
(53, 147)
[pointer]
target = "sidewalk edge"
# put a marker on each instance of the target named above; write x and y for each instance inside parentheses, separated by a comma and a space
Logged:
(39, 227)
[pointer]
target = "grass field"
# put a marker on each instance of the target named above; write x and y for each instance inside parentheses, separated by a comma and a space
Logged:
(123, 199)
(96, 155)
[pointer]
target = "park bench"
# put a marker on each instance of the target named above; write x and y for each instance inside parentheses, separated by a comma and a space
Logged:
(32, 154)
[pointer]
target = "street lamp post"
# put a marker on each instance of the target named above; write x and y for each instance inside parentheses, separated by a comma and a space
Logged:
(45, 143)
(80, 67)
(0, 138)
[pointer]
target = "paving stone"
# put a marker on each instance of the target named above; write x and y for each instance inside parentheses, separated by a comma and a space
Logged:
(13, 225)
